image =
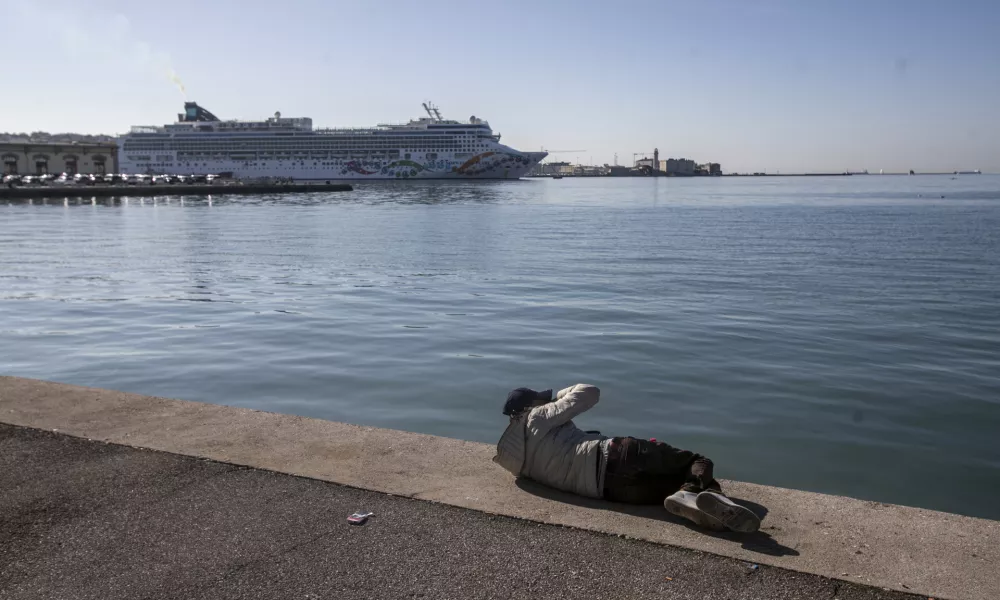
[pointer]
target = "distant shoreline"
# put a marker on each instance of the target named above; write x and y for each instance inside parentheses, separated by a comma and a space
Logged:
(952, 173)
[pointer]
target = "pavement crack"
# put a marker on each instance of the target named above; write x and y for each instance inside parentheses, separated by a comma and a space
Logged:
(240, 567)
(304, 543)
(182, 486)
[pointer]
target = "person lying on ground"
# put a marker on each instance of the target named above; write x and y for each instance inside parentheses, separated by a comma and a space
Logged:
(542, 444)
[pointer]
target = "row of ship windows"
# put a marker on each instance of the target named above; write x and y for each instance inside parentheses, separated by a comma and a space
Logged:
(431, 156)
(313, 139)
(244, 166)
(217, 149)
(145, 165)
(318, 139)
(312, 151)
(334, 153)
(291, 144)
(285, 128)
(397, 139)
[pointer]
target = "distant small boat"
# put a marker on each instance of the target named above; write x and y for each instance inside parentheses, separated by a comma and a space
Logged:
(557, 177)
(973, 172)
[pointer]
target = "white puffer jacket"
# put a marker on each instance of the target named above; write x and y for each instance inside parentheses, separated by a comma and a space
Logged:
(545, 445)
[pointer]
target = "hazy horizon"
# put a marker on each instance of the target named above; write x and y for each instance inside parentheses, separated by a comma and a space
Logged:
(776, 86)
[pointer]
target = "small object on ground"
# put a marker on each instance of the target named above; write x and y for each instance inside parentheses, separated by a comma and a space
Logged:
(683, 504)
(732, 515)
(359, 518)
(669, 578)
(753, 567)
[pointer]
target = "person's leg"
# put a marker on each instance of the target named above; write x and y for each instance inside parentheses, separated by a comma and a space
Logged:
(711, 501)
(627, 478)
(658, 468)
(703, 493)
(700, 498)
(679, 469)
(701, 477)
(644, 472)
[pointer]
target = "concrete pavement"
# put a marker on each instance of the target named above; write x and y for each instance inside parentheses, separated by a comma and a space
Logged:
(907, 549)
(85, 520)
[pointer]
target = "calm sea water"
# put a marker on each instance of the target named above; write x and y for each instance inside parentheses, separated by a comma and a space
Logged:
(838, 335)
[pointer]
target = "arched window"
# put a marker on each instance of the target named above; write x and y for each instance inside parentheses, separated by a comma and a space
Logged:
(100, 162)
(72, 162)
(9, 164)
(41, 164)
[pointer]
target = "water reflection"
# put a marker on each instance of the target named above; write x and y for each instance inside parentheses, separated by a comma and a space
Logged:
(374, 193)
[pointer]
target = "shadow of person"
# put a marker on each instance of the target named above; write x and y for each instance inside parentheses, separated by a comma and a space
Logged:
(759, 541)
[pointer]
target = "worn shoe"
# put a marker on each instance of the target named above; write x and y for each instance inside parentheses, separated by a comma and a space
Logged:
(730, 514)
(684, 504)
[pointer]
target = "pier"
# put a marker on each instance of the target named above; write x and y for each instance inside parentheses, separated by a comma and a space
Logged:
(145, 191)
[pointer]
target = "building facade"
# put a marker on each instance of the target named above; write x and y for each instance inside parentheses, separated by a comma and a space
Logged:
(678, 166)
(40, 158)
(550, 169)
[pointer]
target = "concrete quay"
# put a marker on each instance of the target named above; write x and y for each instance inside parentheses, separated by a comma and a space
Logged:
(218, 527)
(82, 519)
(179, 189)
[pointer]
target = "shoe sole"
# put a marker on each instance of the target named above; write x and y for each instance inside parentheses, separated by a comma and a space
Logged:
(730, 514)
(691, 513)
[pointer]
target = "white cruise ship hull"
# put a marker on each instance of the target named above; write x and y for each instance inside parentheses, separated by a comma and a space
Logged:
(501, 163)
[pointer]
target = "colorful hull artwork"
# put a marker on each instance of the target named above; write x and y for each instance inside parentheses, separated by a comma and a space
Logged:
(488, 164)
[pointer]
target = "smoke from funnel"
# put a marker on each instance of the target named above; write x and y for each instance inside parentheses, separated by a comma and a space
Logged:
(97, 38)
(177, 81)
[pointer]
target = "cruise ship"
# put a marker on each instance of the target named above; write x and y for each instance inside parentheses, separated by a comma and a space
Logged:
(288, 147)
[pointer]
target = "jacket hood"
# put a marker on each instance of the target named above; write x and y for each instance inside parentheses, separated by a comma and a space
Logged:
(511, 448)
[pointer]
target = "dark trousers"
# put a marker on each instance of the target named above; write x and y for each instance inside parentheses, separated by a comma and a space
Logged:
(645, 472)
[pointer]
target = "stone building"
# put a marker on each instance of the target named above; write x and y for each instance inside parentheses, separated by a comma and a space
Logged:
(552, 168)
(39, 158)
(678, 166)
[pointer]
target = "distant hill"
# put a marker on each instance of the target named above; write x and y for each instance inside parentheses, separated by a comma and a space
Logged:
(44, 137)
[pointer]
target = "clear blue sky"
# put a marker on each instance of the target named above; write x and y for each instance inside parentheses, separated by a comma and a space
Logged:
(793, 85)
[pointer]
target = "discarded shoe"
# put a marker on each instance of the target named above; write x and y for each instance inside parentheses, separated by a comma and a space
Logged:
(730, 514)
(684, 504)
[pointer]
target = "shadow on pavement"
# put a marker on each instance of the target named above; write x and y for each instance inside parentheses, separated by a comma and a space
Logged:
(755, 542)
